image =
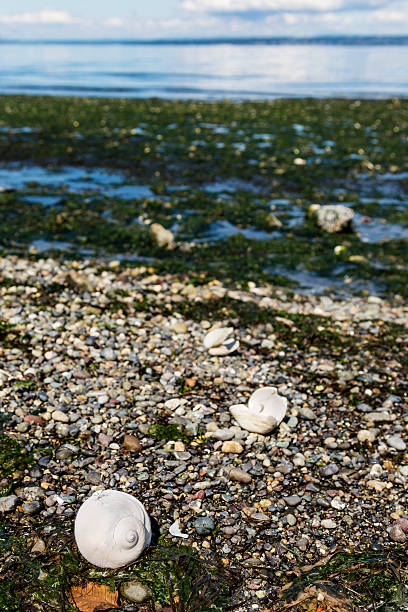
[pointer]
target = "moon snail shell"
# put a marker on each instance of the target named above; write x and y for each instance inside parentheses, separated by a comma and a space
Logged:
(112, 529)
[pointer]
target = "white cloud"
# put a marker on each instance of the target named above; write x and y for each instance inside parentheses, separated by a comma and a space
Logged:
(247, 6)
(41, 17)
(114, 22)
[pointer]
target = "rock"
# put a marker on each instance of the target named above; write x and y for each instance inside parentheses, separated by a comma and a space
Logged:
(31, 507)
(63, 453)
(34, 419)
(307, 413)
(108, 354)
(204, 525)
(93, 477)
(397, 534)
(292, 500)
(377, 485)
(39, 546)
(291, 520)
(328, 524)
(239, 475)
(104, 439)
(379, 417)
(302, 544)
(60, 416)
(231, 446)
(135, 591)
(329, 470)
(162, 236)
(132, 443)
(366, 435)
(223, 434)
(8, 503)
(396, 442)
(403, 523)
(333, 218)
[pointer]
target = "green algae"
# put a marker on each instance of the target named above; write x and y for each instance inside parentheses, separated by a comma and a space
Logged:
(312, 151)
(13, 459)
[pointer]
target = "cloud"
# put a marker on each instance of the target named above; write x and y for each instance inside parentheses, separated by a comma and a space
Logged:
(41, 18)
(271, 6)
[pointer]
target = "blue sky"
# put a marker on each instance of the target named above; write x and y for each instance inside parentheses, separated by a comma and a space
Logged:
(204, 18)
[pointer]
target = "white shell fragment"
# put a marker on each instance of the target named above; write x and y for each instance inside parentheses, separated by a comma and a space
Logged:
(219, 342)
(265, 410)
(112, 529)
(175, 530)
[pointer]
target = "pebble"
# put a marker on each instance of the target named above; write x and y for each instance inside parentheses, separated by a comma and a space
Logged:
(204, 525)
(397, 534)
(31, 507)
(291, 519)
(329, 470)
(366, 435)
(396, 442)
(223, 434)
(239, 475)
(60, 416)
(292, 500)
(232, 447)
(132, 443)
(8, 503)
(307, 413)
(328, 524)
(108, 354)
(135, 591)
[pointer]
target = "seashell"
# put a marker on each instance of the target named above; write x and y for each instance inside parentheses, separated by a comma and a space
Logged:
(218, 341)
(265, 410)
(175, 530)
(112, 529)
(217, 336)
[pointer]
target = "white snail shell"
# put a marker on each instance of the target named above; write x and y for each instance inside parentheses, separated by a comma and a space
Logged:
(112, 529)
(218, 341)
(264, 412)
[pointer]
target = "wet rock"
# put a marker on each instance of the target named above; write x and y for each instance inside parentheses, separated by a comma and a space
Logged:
(31, 507)
(162, 236)
(397, 534)
(333, 218)
(292, 500)
(396, 442)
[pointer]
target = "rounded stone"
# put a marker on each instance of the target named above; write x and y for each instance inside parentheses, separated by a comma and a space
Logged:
(204, 525)
(231, 446)
(135, 591)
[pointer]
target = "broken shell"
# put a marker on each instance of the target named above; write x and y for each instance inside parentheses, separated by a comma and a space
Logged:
(175, 530)
(112, 529)
(229, 346)
(265, 410)
(217, 336)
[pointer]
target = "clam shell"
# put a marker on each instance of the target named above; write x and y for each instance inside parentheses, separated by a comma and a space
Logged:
(217, 336)
(265, 410)
(112, 529)
(229, 346)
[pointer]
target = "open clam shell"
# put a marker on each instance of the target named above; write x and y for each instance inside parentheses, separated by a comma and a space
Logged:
(265, 410)
(217, 336)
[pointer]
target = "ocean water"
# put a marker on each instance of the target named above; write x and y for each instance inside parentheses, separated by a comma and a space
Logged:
(233, 70)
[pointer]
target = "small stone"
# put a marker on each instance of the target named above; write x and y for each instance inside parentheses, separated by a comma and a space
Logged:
(333, 218)
(39, 546)
(403, 523)
(307, 413)
(366, 435)
(378, 485)
(31, 507)
(60, 416)
(240, 475)
(329, 470)
(232, 446)
(108, 354)
(93, 477)
(396, 442)
(223, 434)
(8, 503)
(291, 519)
(63, 453)
(302, 544)
(397, 534)
(104, 439)
(135, 591)
(328, 524)
(34, 419)
(132, 443)
(204, 525)
(292, 500)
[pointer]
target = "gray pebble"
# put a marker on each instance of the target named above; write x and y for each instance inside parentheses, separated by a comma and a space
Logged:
(204, 525)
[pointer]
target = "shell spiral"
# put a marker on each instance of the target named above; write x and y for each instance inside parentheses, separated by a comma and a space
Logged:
(112, 529)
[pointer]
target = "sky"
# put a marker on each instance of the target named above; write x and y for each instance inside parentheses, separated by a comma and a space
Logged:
(89, 19)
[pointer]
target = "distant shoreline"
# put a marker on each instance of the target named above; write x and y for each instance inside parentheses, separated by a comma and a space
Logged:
(284, 40)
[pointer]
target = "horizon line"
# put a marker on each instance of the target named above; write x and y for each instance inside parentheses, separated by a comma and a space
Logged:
(217, 40)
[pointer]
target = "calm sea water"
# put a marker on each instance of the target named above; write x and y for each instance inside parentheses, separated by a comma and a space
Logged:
(209, 71)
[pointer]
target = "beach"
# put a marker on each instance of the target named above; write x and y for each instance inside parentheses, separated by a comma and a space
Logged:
(106, 382)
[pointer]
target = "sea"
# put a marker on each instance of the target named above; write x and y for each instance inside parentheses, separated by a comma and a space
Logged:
(364, 67)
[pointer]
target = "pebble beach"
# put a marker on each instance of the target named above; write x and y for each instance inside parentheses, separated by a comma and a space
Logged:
(106, 384)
